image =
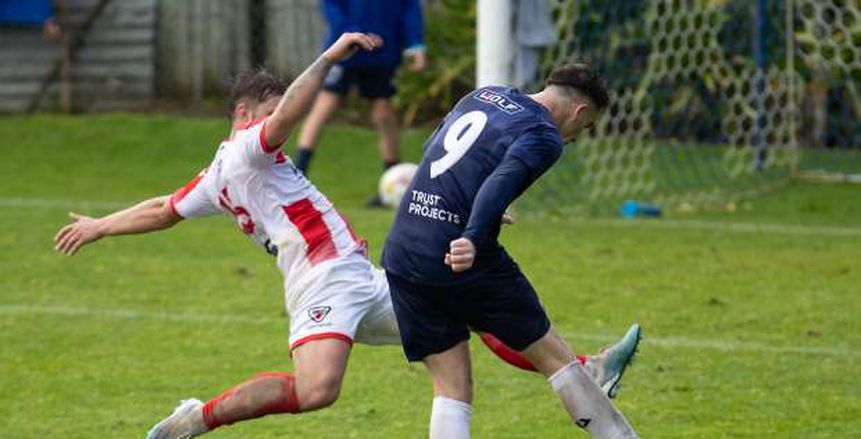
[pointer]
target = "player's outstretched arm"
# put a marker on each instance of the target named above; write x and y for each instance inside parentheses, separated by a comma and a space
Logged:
(147, 216)
(301, 93)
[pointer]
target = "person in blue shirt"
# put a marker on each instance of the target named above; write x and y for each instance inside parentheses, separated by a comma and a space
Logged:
(29, 13)
(400, 24)
(447, 271)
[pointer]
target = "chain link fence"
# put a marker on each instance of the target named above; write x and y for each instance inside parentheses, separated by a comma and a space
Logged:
(713, 100)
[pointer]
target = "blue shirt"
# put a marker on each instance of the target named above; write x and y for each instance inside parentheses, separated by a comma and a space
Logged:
(492, 145)
(398, 22)
(32, 12)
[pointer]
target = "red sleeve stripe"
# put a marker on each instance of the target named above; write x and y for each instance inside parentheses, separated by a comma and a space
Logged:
(315, 232)
(181, 193)
(268, 149)
(172, 204)
(322, 336)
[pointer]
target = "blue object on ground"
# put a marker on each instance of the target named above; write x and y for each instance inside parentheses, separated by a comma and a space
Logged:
(633, 208)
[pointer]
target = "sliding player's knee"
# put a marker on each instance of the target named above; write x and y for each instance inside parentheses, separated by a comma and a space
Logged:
(320, 392)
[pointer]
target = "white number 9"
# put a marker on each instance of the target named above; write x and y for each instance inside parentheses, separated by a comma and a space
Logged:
(458, 139)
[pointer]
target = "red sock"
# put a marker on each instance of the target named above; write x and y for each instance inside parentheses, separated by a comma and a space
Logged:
(511, 356)
(287, 402)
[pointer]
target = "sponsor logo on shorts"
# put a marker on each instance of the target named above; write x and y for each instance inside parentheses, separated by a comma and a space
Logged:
(318, 313)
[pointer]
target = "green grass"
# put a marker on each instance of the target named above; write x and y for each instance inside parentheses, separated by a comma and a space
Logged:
(748, 334)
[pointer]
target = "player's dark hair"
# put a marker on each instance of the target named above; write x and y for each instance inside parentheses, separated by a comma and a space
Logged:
(585, 79)
(258, 85)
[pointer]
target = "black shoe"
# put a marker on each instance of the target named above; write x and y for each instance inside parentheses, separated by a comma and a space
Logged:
(375, 202)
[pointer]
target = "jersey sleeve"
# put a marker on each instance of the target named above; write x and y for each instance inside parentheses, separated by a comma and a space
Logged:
(193, 200)
(503, 186)
(528, 157)
(254, 147)
(538, 148)
(413, 25)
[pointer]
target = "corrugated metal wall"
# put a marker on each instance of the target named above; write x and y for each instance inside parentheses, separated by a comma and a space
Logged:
(25, 58)
(203, 43)
(294, 32)
(140, 49)
(115, 67)
(113, 70)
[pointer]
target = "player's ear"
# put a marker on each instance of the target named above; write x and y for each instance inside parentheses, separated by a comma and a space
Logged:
(578, 110)
(240, 111)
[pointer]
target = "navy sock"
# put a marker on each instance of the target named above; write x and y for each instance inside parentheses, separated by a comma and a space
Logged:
(303, 159)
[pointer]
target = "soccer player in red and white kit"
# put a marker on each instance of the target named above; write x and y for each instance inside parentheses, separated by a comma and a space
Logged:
(333, 294)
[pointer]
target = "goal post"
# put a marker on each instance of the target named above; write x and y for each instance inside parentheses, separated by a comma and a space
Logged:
(495, 45)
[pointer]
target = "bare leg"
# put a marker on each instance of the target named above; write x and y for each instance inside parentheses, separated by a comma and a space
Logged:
(319, 370)
(511, 356)
(452, 383)
(385, 119)
(320, 367)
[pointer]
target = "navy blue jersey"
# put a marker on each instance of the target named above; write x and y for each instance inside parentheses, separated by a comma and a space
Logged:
(472, 160)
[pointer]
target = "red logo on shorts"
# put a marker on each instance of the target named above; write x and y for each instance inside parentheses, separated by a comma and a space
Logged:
(318, 313)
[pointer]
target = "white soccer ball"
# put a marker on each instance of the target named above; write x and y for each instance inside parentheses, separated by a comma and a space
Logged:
(394, 183)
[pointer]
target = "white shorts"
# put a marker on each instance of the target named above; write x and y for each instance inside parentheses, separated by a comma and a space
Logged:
(350, 302)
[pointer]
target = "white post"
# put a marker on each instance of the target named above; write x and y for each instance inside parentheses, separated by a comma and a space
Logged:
(495, 43)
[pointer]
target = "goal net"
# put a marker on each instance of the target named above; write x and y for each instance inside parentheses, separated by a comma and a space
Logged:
(713, 100)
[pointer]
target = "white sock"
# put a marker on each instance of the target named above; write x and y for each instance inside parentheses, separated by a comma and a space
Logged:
(587, 405)
(449, 419)
(196, 425)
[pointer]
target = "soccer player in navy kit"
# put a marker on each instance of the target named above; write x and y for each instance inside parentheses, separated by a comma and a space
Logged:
(448, 273)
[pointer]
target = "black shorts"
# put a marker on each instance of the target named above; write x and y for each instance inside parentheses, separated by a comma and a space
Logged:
(373, 82)
(499, 301)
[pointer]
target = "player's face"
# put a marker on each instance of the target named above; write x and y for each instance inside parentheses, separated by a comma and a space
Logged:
(265, 108)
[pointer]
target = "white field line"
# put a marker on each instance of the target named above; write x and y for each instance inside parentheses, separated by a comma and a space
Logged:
(668, 342)
(129, 314)
(782, 229)
(40, 203)
(814, 230)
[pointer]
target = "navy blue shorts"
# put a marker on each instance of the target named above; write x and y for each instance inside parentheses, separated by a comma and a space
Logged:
(373, 82)
(499, 301)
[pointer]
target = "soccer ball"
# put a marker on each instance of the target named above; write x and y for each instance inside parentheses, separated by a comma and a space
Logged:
(394, 183)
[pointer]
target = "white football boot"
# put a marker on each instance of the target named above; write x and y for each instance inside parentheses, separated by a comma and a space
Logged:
(185, 422)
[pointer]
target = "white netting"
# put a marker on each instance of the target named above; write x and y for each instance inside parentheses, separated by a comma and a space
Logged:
(828, 36)
(707, 95)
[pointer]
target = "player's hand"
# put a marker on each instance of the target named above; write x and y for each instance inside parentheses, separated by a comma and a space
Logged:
(507, 218)
(350, 42)
(461, 255)
(83, 230)
(419, 60)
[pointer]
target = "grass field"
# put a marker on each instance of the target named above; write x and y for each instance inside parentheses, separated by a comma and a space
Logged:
(752, 319)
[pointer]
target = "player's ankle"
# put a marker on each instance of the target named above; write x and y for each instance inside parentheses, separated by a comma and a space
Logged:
(303, 158)
(196, 424)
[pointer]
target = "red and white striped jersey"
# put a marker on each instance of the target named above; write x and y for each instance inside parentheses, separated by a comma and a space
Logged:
(272, 202)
